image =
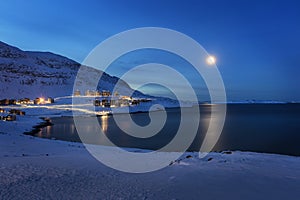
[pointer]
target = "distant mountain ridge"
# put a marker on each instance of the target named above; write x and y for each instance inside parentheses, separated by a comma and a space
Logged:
(33, 74)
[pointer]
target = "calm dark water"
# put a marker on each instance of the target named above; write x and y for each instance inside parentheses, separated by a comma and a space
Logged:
(269, 128)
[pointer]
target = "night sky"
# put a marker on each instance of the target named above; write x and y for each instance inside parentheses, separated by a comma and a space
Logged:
(256, 43)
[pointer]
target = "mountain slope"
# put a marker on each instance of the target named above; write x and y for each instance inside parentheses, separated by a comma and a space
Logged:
(33, 74)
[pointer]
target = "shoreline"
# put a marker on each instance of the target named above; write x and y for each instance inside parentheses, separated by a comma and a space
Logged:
(46, 122)
(37, 128)
(35, 117)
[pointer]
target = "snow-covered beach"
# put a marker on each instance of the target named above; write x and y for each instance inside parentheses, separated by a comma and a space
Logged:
(35, 168)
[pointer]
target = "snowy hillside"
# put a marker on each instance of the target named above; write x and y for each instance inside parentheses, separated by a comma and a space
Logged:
(33, 74)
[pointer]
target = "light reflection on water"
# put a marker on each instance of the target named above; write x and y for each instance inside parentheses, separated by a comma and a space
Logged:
(72, 128)
(104, 123)
(48, 130)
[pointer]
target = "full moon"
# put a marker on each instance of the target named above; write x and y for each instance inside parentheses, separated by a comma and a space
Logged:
(211, 60)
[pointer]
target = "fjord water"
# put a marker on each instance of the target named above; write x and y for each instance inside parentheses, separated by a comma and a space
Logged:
(269, 128)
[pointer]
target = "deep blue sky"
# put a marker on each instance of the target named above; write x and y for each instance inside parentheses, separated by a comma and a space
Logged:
(257, 43)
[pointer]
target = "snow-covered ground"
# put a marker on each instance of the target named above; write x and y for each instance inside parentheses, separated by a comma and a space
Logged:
(35, 168)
